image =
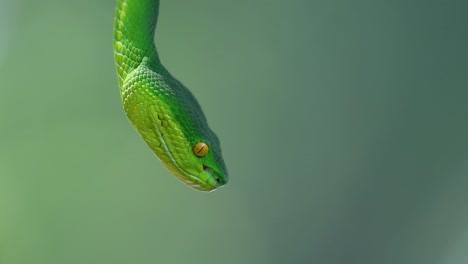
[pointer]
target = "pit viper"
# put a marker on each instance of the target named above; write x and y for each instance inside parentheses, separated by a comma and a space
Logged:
(163, 111)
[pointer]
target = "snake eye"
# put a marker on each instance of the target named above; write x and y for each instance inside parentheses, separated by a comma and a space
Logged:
(201, 149)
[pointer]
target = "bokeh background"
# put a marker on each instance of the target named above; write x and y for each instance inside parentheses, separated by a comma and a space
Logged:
(344, 127)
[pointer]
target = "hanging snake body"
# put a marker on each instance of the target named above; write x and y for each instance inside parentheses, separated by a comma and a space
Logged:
(163, 110)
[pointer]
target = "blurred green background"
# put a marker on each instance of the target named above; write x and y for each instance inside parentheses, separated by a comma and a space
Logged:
(344, 127)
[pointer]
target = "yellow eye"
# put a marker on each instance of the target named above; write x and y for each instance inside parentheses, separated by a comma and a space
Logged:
(201, 149)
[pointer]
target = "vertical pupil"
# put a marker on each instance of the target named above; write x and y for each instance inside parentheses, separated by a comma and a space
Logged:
(202, 147)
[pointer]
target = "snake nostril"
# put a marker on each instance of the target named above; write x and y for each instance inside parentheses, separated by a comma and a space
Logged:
(218, 180)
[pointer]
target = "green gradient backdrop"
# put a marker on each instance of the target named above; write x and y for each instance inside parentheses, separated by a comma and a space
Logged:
(343, 123)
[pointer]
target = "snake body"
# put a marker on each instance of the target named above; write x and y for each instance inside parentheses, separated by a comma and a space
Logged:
(162, 109)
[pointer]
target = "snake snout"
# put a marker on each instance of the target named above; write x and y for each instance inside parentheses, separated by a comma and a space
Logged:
(216, 179)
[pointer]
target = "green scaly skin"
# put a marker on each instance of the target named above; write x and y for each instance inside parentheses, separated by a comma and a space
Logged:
(163, 111)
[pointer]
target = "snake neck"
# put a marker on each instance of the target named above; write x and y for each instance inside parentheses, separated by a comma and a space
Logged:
(134, 27)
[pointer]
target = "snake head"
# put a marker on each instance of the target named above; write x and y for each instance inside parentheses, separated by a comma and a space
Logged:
(171, 122)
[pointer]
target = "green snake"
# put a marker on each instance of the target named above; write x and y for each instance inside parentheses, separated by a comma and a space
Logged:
(162, 109)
